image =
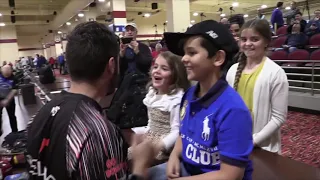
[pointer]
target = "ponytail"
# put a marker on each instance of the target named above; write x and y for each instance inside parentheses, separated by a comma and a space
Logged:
(242, 60)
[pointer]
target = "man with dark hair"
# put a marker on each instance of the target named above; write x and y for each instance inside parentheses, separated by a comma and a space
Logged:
(69, 138)
(277, 17)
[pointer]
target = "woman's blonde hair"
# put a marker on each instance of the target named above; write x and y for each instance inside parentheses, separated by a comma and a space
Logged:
(178, 72)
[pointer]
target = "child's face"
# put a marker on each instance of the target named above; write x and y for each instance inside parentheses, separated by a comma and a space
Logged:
(252, 43)
(161, 75)
(196, 60)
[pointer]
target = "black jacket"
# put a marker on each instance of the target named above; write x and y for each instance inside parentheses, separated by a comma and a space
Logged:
(143, 61)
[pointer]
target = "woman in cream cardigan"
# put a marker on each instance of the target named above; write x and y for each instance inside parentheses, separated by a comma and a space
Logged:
(262, 84)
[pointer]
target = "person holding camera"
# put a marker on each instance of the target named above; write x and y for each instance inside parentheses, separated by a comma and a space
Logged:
(133, 54)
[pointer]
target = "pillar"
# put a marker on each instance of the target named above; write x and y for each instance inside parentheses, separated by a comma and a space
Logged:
(178, 15)
(9, 50)
(52, 45)
(58, 44)
(91, 15)
(119, 15)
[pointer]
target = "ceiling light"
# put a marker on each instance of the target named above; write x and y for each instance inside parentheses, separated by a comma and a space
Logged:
(190, 25)
(264, 6)
(59, 32)
(80, 14)
(195, 14)
(166, 21)
(76, 20)
(147, 15)
(246, 15)
(68, 23)
(101, 0)
(288, 8)
(235, 4)
(2, 24)
(222, 15)
(192, 21)
(0, 14)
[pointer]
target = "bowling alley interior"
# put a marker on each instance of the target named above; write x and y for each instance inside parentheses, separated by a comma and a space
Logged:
(47, 47)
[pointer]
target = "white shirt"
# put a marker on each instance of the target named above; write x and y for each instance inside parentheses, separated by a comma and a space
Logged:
(168, 103)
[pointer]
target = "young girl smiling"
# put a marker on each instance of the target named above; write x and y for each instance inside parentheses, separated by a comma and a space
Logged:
(216, 127)
(168, 84)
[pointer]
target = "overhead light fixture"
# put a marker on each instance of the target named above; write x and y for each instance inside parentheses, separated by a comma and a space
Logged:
(75, 19)
(288, 8)
(101, 0)
(195, 14)
(80, 14)
(166, 21)
(59, 32)
(222, 15)
(235, 4)
(192, 21)
(68, 23)
(2, 24)
(264, 6)
(246, 15)
(0, 14)
(147, 15)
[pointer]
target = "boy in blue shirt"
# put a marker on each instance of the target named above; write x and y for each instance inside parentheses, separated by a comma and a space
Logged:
(216, 127)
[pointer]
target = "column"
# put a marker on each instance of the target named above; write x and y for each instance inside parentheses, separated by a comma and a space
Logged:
(58, 44)
(91, 15)
(47, 50)
(178, 15)
(8, 44)
(52, 45)
(119, 15)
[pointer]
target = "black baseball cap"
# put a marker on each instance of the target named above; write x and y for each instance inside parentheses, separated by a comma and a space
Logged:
(211, 30)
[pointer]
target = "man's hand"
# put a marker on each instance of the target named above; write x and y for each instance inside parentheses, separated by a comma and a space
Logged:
(122, 49)
(4, 102)
(135, 46)
(142, 155)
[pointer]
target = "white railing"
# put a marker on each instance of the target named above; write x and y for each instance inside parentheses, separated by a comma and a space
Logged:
(312, 66)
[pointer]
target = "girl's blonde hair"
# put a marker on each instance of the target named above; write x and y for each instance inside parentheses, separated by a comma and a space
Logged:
(178, 72)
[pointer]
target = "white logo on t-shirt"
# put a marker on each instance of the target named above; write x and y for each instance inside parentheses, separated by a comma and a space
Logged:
(54, 110)
(206, 130)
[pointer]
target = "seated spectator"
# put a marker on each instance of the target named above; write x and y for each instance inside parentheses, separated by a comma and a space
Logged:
(157, 51)
(313, 27)
(298, 19)
(296, 39)
(236, 23)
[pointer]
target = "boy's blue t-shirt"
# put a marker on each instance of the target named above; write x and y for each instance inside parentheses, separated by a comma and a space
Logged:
(215, 128)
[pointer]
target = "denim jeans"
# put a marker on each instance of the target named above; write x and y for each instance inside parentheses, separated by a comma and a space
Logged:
(159, 172)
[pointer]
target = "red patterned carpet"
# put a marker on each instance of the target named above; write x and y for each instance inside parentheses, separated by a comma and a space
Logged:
(301, 138)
